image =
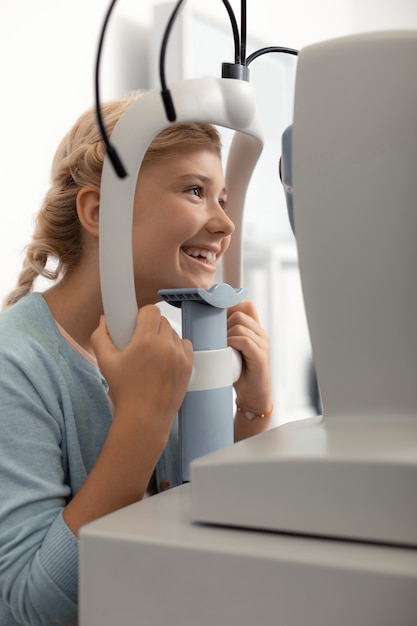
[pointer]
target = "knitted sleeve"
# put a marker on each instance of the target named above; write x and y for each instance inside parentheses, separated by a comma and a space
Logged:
(38, 553)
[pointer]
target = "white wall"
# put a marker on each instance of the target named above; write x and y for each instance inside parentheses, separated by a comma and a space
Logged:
(47, 51)
(47, 62)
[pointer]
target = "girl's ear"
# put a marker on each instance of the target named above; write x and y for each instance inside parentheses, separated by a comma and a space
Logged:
(88, 205)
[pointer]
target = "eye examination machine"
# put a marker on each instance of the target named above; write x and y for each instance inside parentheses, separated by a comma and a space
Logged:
(314, 522)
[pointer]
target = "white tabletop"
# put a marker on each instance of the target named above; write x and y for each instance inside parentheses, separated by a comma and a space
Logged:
(150, 564)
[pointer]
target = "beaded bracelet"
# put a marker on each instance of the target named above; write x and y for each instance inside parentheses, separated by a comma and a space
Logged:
(250, 415)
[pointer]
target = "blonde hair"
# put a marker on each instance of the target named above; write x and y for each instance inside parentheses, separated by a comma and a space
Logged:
(78, 163)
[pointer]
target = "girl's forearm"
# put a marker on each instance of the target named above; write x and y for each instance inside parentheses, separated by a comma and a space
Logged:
(121, 474)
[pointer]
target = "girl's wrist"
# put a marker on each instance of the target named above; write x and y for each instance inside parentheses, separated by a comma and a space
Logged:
(253, 414)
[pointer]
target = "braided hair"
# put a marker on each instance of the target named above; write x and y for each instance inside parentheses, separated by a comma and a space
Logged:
(56, 245)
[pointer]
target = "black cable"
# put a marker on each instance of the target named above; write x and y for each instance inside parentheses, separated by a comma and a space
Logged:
(165, 93)
(269, 49)
(111, 151)
(239, 53)
(243, 22)
(168, 29)
(235, 29)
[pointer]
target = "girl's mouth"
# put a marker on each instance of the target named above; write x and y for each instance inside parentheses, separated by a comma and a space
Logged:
(204, 256)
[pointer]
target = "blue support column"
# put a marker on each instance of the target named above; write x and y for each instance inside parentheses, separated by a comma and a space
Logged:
(206, 415)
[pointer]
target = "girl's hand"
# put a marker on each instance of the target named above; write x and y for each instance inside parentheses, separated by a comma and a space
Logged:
(150, 376)
(245, 334)
(147, 381)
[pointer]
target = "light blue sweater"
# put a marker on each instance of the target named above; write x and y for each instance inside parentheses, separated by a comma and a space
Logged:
(54, 418)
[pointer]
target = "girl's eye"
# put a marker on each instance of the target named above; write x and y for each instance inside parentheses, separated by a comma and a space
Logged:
(223, 203)
(195, 191)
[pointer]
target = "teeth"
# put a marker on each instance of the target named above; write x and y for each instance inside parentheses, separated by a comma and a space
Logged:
(196, 252)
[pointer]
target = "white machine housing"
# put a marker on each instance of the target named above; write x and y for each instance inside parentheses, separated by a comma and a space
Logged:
(353, 475)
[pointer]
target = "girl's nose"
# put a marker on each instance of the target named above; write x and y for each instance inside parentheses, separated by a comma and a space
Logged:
(219, 221)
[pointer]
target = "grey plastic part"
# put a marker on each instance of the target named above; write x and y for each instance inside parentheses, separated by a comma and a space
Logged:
(205, 417)
(205, 424)
(286, 172)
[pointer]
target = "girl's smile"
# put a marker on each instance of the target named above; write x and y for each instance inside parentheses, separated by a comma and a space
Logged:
(204, 257)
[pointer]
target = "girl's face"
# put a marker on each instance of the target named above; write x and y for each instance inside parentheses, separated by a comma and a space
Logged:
(180, 227)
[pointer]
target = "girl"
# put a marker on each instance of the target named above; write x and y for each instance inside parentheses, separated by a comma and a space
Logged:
(85, 428)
